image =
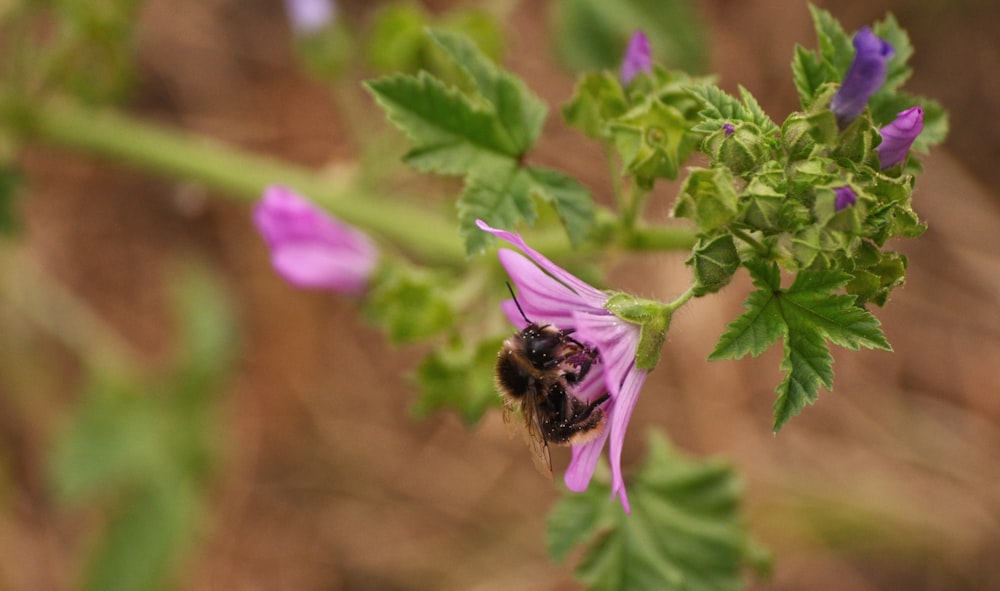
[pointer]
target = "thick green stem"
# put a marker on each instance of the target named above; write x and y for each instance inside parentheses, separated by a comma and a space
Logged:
(238, 173)
(232, 171)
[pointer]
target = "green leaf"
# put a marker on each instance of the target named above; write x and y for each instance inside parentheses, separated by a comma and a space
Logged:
(460, 378)
(411, 303)
(684, 531)
(720, 107)
(836, 49)
(144, 541)
(897, 71)
(572, 201)
(398, 40)
(501, 199)
(805, 315)
(451, 134)
(520, 113)
(593, 34)
(10, 183)
(808, 74)
(598, 99)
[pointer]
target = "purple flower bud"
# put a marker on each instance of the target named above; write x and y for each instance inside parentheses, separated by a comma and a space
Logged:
(311, 248)
(898, 136)
(308, 17)
(865, 76)
(728, 128)
(844, 197)
(638, 57)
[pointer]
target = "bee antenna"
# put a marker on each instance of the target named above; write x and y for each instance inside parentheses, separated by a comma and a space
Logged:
(516, 303)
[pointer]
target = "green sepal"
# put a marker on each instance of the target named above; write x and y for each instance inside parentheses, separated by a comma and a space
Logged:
(742, 151)
(713, 261)
(653, 141)
(874, 280)
(708, 197)
(654, 319)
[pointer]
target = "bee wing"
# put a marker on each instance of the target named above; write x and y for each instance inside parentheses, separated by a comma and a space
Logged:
(536, 441)
(528, 426)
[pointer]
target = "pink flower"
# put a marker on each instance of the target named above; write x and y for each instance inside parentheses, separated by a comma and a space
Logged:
(638, 57)
(309, 247)
(550, 294)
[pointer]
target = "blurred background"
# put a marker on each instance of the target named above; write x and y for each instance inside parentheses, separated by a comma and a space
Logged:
(280, 451)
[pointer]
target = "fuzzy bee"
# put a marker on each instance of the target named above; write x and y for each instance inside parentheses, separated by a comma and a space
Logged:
(537, 370)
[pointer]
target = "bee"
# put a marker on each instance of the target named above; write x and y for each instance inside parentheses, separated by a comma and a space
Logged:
(537, 370)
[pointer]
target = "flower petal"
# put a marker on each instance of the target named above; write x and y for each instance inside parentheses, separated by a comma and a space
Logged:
(581, 467)
(616, 340)
(592, 296)
(311, 248)
(619, 416)
(638, 57)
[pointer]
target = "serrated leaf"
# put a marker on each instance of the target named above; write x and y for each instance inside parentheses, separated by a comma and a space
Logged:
(519, 111)
(719, 106)
(836, 49)
(502, 200)
(897, 70)
(808, 74)
(451, 134)
(684, 531)
(458, 377)
(805, 315)
(572, 201)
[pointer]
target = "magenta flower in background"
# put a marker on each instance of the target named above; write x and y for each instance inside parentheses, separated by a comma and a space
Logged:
(638, 57)
(307, 17)
(865, 76)
(549, 294)
(844, 197)
(898, 136)
(311, 248)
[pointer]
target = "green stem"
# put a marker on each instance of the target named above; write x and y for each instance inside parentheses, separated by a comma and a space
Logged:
(681, 299)
(659, 238)
(232, 171)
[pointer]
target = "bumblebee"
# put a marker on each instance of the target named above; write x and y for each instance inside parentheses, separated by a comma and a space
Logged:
(537, 370)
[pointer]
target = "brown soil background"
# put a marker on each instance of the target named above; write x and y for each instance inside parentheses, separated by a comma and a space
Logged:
(890, 482)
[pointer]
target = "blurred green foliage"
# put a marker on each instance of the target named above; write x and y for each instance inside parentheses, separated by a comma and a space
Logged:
(141, 447)
(685, 531)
